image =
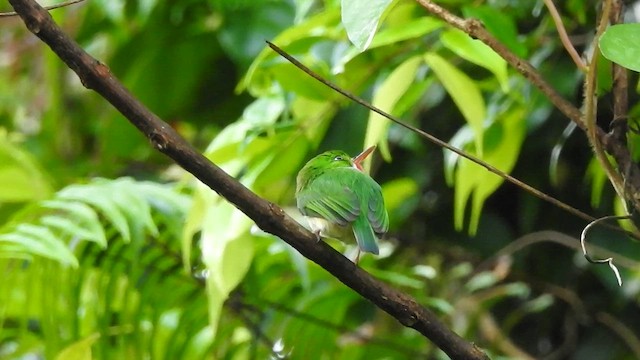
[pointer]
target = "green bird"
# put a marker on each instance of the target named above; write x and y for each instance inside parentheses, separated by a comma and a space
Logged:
(341, 201)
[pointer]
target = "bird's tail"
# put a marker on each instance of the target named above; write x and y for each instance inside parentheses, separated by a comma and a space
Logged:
(366, 238)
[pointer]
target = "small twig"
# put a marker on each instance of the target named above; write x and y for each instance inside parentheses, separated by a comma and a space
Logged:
(50, 7)
(564, 38)
(608, 260)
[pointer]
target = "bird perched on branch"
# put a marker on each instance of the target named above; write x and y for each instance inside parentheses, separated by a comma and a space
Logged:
(341, 201)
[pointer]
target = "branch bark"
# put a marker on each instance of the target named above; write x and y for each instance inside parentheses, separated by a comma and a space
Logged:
(268, 216)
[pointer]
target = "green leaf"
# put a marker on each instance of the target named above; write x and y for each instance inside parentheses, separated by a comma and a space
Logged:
(619, 43)
(227, 251)
(472, 180)
(79, 350)
(317, 27)
(81, 214)
(477, 52)
(38, 240)
(409, 30)
(464, 92)
(361, 18)
(385, 97)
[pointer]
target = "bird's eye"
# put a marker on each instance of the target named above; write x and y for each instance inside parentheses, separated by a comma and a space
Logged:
(337, 158)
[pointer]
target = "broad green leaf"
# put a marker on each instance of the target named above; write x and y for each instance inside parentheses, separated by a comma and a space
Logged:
(390, 35)
(478, 53)
(474, 181)
(464, 92)
(385, 97)
(360, 18)
(619, 43)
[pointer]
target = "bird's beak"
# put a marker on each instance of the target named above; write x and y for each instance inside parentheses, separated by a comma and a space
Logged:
(357, 161)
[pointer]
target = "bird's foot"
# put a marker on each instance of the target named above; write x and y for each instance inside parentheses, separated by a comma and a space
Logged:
(357, 259)
(317, 234)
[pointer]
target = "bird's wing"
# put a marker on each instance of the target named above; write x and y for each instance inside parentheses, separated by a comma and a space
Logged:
(331, 199)
(377, 214)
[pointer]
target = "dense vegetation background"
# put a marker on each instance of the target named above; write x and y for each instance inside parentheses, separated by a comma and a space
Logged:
(108, 250)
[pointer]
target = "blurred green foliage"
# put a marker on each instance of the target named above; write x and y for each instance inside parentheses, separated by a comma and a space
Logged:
(110, 251)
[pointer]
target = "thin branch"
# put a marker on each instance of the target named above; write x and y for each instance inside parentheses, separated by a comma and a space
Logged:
(268, 216)
(564, 38)
(591, 108)
(528, 188)
(50, 7)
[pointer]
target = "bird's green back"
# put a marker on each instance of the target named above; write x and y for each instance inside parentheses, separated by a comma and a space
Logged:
(330, 187)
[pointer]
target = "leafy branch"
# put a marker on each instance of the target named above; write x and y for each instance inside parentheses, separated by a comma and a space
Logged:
(96, 76)
(614, 143)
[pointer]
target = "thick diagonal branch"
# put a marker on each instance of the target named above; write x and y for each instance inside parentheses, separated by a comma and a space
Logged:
(95, 75)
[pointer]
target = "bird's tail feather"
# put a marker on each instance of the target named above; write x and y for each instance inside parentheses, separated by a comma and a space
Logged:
(365, 236)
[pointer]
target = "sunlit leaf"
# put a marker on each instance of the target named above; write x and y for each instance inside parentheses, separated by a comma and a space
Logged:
(385, 98)
(478, 53)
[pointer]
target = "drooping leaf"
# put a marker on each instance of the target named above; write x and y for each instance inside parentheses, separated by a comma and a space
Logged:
(386, 96)
(39, 241)
(464, 92)
(82, 215)
(474, 182)
(478, 53)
